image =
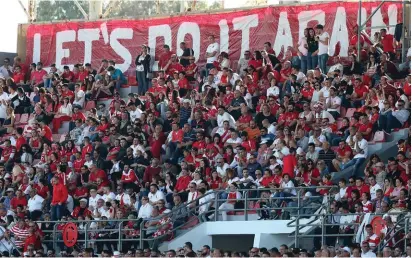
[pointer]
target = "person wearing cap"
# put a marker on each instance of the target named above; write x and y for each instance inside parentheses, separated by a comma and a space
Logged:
(81, 210)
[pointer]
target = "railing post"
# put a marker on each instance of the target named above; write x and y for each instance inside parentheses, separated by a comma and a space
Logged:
(323, 229)
(297, 222)
(119, 246)
(54, 236)
(216, 205)
(141, 235)
(246, 206)
(85, 235)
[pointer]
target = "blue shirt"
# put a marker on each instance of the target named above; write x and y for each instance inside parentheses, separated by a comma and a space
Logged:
(116, 73)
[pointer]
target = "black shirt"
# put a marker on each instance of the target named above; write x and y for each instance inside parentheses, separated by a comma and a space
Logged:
(186, 53)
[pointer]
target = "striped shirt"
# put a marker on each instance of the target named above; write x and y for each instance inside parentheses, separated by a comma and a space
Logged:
(20, 235)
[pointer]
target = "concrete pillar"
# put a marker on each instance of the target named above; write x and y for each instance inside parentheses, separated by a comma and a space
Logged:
(95, 9)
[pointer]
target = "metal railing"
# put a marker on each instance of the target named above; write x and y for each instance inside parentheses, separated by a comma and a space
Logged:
(317, 212)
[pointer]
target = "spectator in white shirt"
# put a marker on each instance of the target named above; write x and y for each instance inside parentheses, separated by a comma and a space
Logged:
(135, 113)
(273, 89)
(323, 51)
(221, 167)
(394, 119)
(108, 195)
(212, 52)
(79, 96)
(224, 116)
(146, 209)
(243, 63)
(303, 51)
(366, 252)
(333, 103)
(373, 186)
(317, 138)
(35, 205)
(6, 70)
(155, 194)
(94, 197)
(360, 151)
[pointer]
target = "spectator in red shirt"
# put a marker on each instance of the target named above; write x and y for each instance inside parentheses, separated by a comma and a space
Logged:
(59, 199)
(173, 66)
(46, 132)
(359, 94)
(165, 57)
(37, 76)
(388, 42)
(67, 75)
(182, 182)
(19, 199)
(20, 138)
(19, 76)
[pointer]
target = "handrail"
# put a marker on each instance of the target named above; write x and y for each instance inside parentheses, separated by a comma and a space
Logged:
(12, 243)
(215, 201)
(384, 242)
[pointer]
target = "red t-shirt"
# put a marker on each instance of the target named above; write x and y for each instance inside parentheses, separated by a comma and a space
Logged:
(363, 128)
(341, 152)
(68, 76)
(289, 163)
(99, 174)
(18, 77)
(37, 76)
(176, 67)
(19, 142)
(18, 201)
(387, 42)
(361, 90)
(48, 133)
(307, 93)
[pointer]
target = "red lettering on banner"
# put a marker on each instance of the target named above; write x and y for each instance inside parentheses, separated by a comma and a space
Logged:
(68, 43)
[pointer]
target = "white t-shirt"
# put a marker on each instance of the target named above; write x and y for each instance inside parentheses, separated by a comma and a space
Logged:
(154, 197)
(273, 91)
(334, 101)
(210, 49)
(222, 170)
(323, 49)
(93, 200)
(80, 96)
(226, 117)
(288, 187)
(109, 197)
(145, 211)
(363, 145)
(35, 203)
(135, 114)
(302, 42)
(373, 190)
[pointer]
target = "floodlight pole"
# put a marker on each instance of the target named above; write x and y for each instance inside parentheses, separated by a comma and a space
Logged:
(359, 29)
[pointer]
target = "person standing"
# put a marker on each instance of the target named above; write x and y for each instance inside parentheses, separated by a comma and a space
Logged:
(188, 53)
(323, 38)
(143, 70)
(59, 199)
(212, 53)
(303, 51)
(313, 46)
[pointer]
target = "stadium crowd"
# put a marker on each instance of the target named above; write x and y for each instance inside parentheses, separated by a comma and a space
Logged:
(270, 123)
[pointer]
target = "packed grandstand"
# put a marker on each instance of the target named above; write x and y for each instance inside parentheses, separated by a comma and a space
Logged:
(272, 136)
